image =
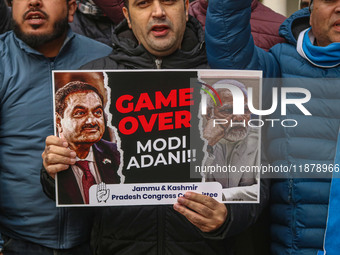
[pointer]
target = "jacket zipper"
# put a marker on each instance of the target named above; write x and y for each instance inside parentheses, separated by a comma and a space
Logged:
(160, 209)
(158, 63)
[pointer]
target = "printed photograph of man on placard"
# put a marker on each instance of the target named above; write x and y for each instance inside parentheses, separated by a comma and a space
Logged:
(231, 135)
(79, 110)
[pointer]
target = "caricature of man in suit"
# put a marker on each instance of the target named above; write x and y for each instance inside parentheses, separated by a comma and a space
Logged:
(80, 120)
(232, 142)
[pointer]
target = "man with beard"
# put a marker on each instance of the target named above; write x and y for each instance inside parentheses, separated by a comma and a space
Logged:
(159, 34)
(231, 143)
(299, 203)
(80, 120)
(39, 43)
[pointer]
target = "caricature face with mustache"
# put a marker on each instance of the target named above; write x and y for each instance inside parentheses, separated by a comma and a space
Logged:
(82, 123)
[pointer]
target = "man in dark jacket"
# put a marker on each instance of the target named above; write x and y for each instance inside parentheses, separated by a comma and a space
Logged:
(160, 34)
(5, 17)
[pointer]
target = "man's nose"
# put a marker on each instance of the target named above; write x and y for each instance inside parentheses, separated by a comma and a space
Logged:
(35, 3)
(337, 8)
(158, 9)
(238, 117)
(91, 119)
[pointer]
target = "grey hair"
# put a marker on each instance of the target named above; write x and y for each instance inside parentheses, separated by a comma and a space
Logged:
(219, 85)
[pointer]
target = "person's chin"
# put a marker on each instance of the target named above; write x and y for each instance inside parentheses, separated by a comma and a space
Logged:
(35, 29)
(91, 138)
(94, 139)
(40, 31)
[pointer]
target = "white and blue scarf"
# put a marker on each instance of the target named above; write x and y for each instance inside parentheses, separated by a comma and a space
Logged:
(324, 57)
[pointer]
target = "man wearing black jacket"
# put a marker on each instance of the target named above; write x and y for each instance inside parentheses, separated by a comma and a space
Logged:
(159, 34)
(5, 17)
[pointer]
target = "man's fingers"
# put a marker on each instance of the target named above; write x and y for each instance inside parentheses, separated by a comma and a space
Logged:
(55, 140)
(51, 159)
(57, 156)
(56, 150)
(200, 208)
(204, 212)
(201, 199)
(53, 169)
(192, 216)
(54, 163)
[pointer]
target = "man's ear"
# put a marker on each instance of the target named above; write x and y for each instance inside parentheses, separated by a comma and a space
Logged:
(126, 15)
(72, 7)
(58, 124)
(186, 10)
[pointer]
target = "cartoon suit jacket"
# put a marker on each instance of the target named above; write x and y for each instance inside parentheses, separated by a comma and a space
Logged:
(104, 152)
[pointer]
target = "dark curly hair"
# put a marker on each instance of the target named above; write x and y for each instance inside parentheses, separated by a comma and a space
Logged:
(69, 88)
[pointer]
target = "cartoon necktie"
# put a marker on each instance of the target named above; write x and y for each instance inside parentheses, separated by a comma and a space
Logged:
(88, 179)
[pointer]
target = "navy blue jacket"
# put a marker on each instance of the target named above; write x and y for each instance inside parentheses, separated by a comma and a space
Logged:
(298, 206)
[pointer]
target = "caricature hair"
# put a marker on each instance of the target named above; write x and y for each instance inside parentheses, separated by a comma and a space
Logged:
(69, 88)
